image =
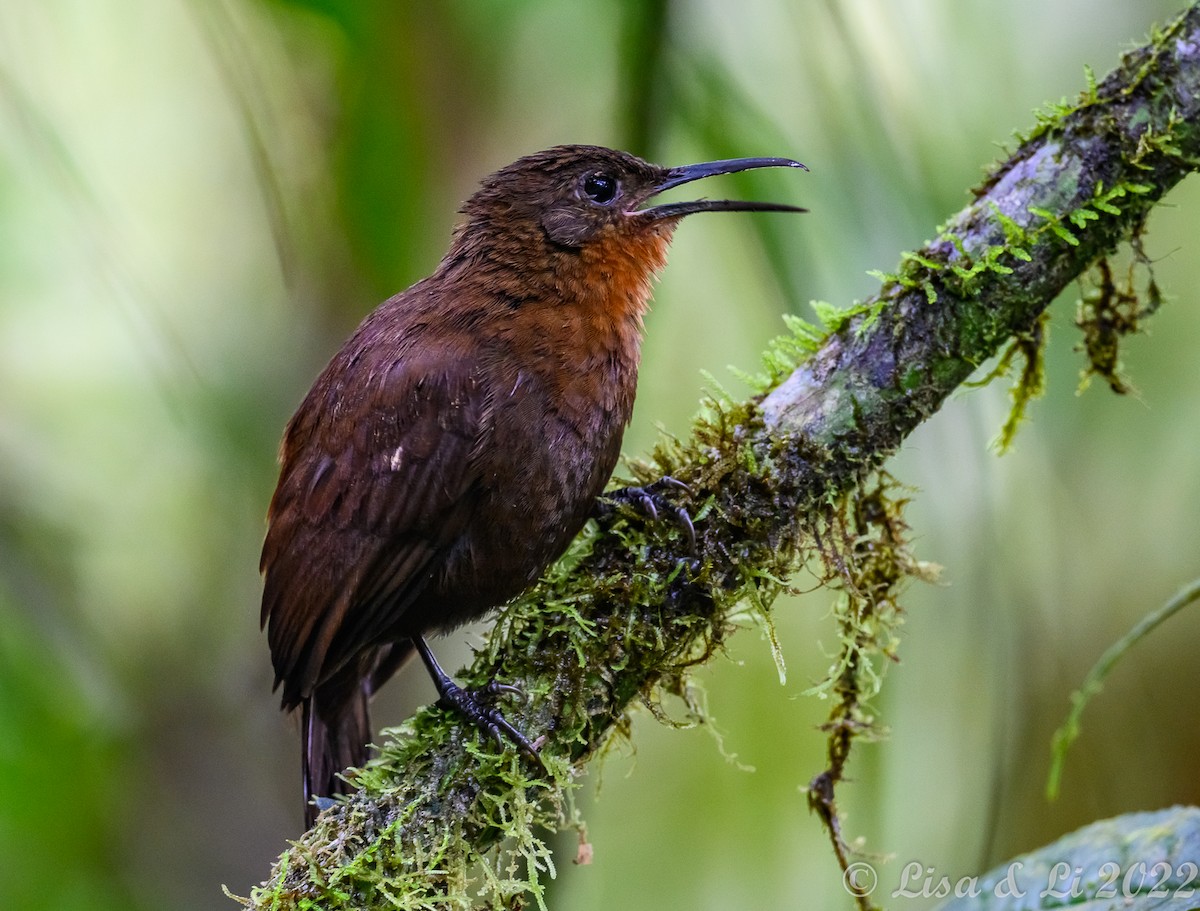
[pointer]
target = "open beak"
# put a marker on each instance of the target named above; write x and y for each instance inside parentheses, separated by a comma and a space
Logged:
(688, 173)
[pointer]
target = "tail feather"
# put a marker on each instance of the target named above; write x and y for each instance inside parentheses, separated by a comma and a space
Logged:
(336, 722)
(336, 731)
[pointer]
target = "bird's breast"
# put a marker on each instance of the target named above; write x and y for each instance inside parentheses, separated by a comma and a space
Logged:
(555, 439)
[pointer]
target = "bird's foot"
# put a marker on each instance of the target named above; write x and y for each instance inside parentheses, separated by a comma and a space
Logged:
(476, 706)
(649, 501)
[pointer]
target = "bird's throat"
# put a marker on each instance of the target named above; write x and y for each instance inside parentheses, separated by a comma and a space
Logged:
(618, 269)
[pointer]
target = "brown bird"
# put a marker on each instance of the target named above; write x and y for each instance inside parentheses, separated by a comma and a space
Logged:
(454, 446)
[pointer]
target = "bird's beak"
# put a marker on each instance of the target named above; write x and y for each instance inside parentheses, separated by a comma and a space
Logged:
(688, 173)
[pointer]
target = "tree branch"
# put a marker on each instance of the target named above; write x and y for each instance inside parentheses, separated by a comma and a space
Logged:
(622, 618)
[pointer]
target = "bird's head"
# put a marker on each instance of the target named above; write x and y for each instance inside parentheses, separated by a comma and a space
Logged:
(572, 195)
(578, 223)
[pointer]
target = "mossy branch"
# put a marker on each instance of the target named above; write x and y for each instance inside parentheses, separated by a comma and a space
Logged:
(622, 618)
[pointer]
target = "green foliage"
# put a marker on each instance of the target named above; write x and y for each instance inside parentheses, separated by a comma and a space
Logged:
(1054, 223)
(1015, 236)
(784, 352)
(1102, 202)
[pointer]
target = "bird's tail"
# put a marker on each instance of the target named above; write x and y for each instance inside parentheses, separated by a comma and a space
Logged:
(336, 723)
(334, 737)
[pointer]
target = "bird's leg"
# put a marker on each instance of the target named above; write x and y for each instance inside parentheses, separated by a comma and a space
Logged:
(475, 705)
(649, 500)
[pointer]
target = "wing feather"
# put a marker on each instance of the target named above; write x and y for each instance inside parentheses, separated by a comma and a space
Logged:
(375, 486)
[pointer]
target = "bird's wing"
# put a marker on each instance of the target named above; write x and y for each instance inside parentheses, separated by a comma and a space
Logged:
(378, 479)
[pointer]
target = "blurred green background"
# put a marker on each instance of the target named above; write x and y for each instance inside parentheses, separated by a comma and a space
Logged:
(199, 200)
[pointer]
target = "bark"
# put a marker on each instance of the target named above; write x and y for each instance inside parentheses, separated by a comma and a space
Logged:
(623, 616)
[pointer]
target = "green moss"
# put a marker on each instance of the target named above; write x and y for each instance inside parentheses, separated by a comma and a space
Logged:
(1030, 384)
(913, 378)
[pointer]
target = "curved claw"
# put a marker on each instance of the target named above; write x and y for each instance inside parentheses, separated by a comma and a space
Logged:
(647, 500)
(496, 688)
(668, 481)
(684, 521)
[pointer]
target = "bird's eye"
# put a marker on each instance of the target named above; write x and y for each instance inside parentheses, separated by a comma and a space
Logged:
(600, 188)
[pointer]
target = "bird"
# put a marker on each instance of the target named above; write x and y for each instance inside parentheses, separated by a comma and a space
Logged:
(459, 440)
